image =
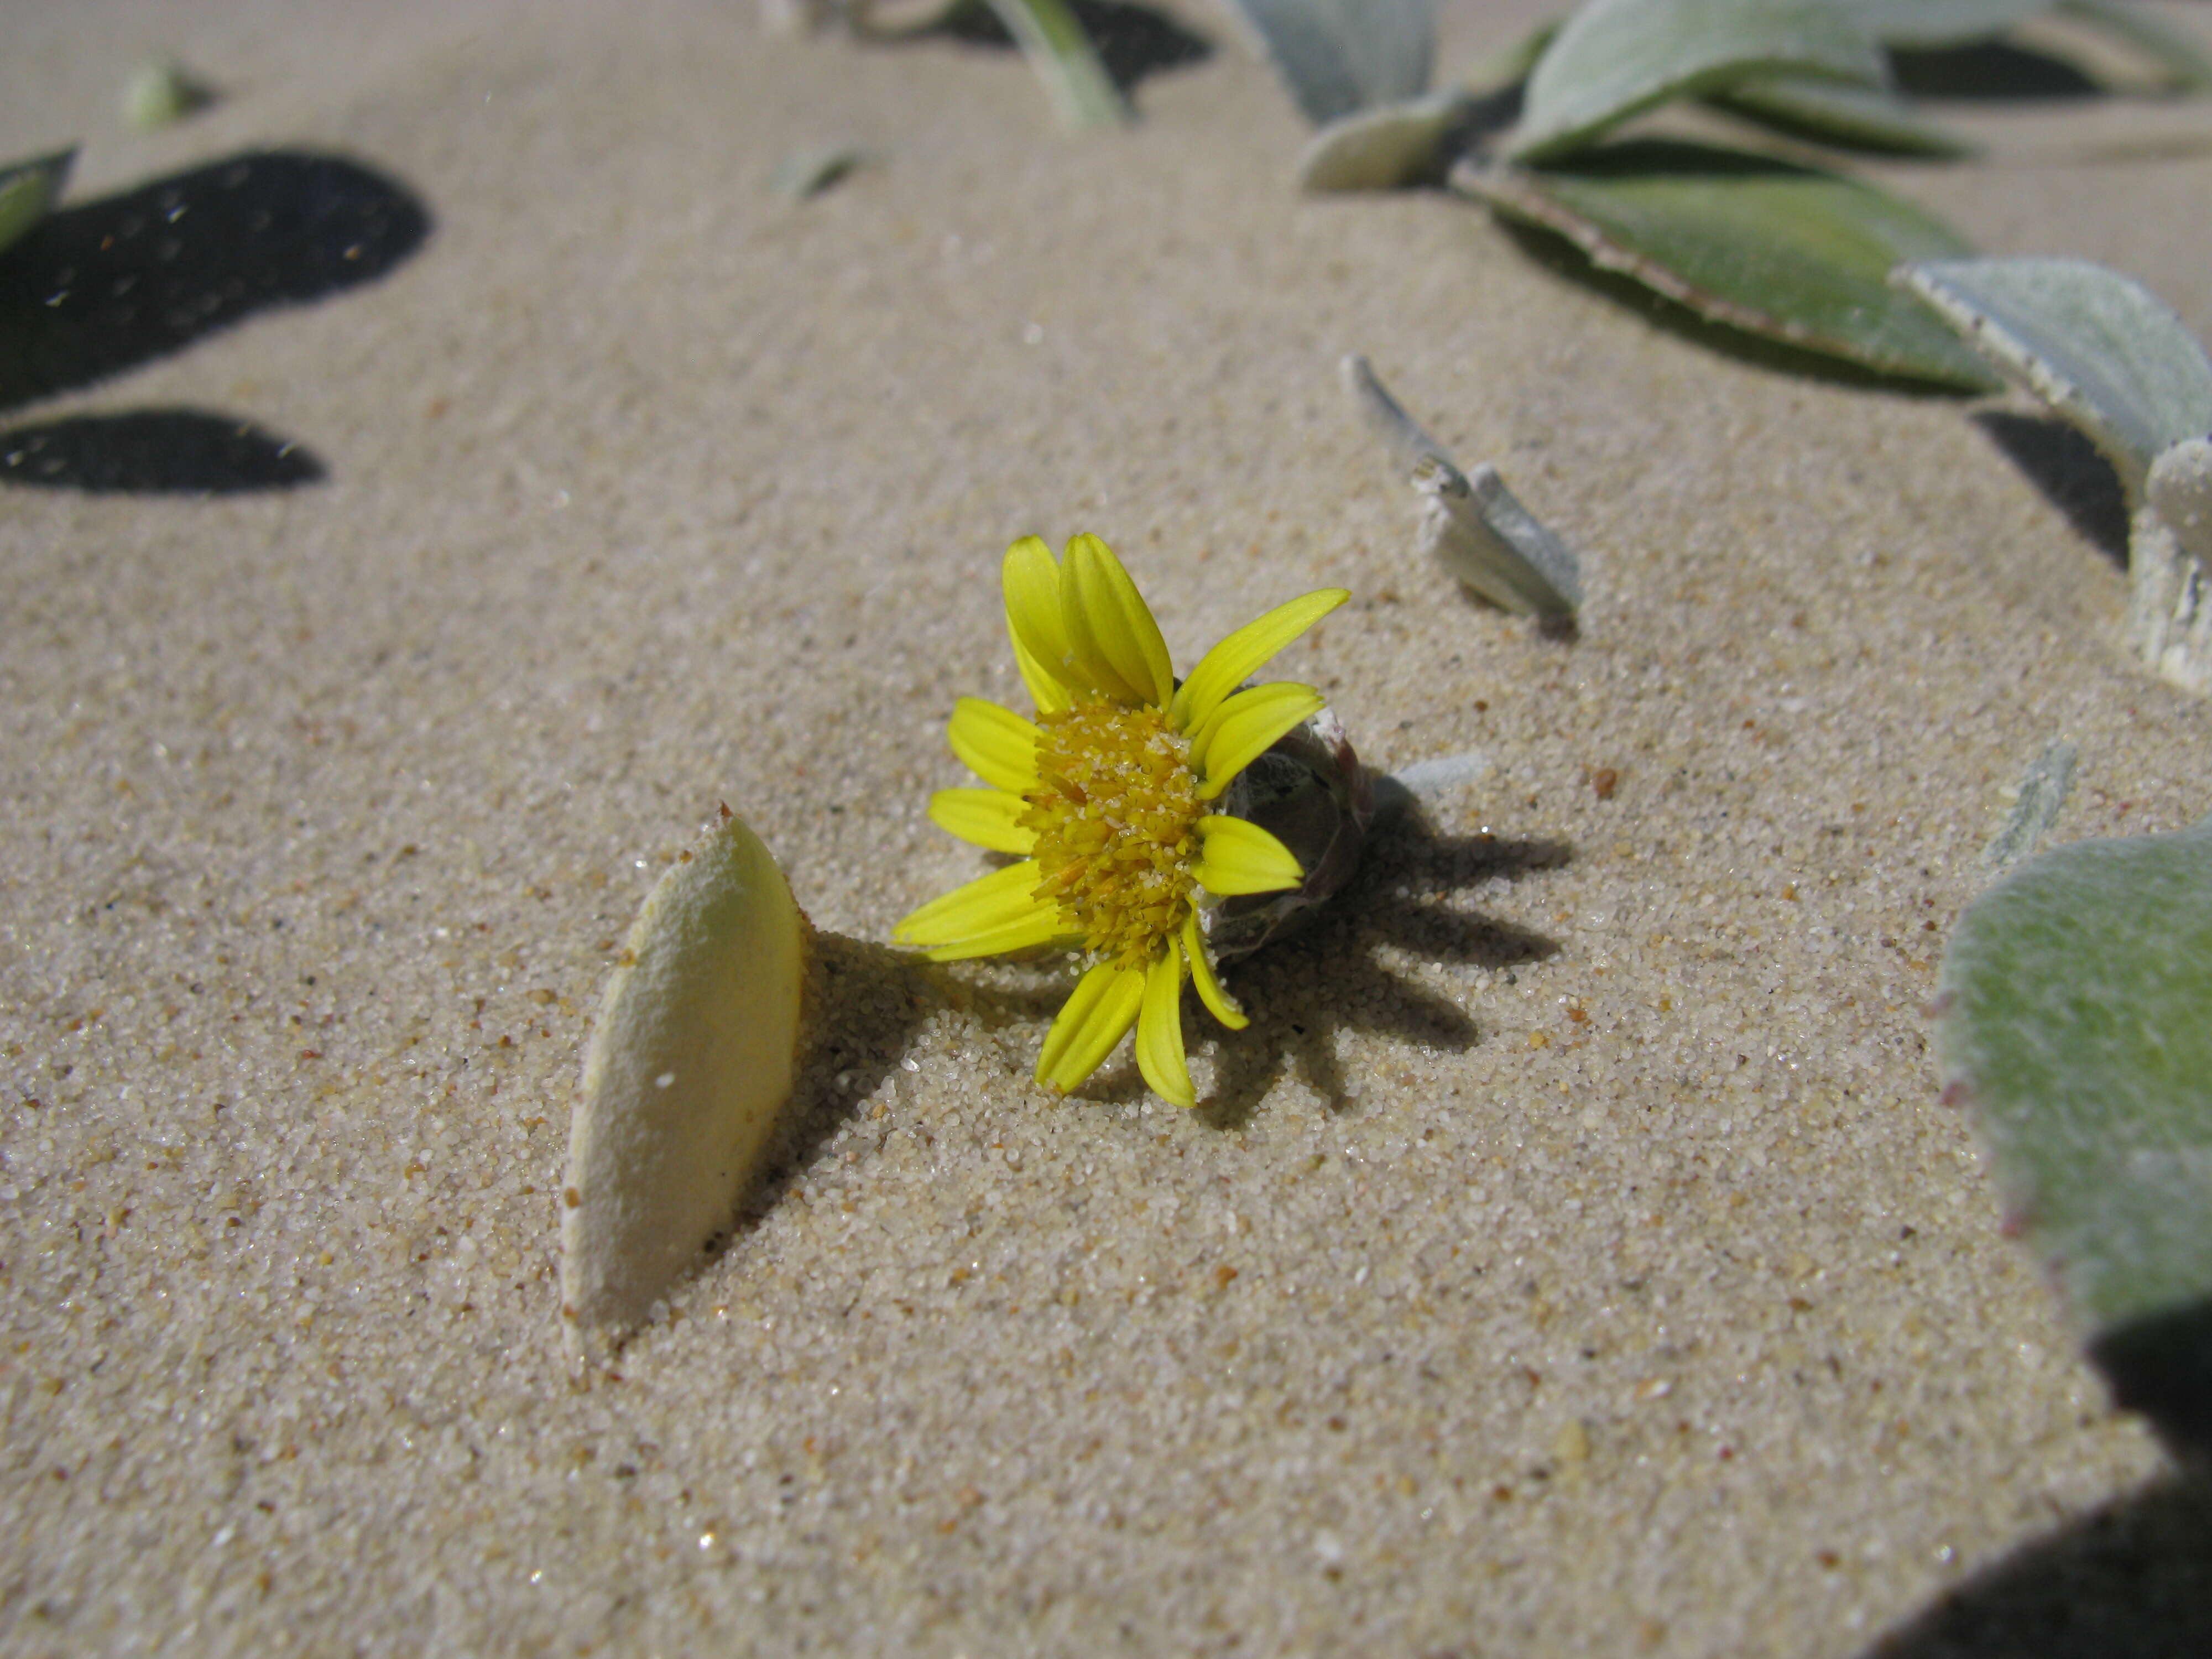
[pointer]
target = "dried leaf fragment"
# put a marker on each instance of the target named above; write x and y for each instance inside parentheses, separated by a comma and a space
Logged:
(689, 1064)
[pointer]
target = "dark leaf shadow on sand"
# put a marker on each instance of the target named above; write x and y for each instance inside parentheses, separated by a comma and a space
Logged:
(2066, 467)
(1989, 71)
(154, 451)
(2132, 1581)
(1301, 991)
(1132, 41)
(99, 288)
(2160, 1365)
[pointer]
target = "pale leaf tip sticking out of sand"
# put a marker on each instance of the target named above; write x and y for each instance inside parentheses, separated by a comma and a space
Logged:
(689, 1063)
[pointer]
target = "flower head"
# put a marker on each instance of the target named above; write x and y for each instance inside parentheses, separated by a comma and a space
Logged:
(1107, 798)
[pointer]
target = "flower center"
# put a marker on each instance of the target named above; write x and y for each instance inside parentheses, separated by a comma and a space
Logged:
(1116, 812)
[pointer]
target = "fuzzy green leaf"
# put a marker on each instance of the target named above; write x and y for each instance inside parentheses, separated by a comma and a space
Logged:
(1789, 253)
(2074, 998)
(1615, 58)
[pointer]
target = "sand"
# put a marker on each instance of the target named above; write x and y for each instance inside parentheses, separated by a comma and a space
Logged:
(1573, 1257)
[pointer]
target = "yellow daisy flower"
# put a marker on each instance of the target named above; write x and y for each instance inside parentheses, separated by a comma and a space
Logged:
(1104, 798)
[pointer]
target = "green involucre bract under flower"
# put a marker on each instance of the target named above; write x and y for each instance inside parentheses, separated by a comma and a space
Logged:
(1104, 797)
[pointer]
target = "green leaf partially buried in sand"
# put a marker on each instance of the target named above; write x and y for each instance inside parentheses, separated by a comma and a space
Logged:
(2074, 997)
(2102, 350)
(1061, 54)
(1340, 55)
(1787, 253)
(1381, 149)
(1615, 58)
(28, 190)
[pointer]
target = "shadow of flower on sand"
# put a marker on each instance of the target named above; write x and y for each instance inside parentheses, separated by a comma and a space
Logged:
(867, 1002)
(1304, 990)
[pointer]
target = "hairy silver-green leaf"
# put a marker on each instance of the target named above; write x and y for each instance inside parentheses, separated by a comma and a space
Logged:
(2041, 791)
(1837, 113)
(1615, 58)
(1381, 149)
(28, 190)
(2074, 998)
(1340, 55)
(2100, 349)
(691, 1060)
(1083, 94)
(1939, 22)
(1471, 523)
(1786, 252)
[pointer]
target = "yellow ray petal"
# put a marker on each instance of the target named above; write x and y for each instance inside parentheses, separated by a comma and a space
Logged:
(995, 744)
(998, 900)
(1110, 629)
(1236, 856)
(1099, 1012)
(1242, 728)
(1244, 653)
(1159, 1031)
(983, 817)
(1222, 1005)
(1045, 687)
(1040, 928)
(1031, 579)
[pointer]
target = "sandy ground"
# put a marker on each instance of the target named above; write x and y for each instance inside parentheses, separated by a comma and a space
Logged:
(1573, 1258)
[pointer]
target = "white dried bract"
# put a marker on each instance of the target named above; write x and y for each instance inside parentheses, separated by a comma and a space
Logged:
(689, 1063)
(1471, 523)
(2169, 610)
